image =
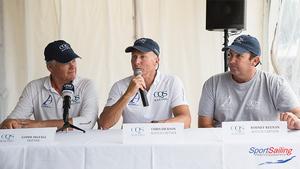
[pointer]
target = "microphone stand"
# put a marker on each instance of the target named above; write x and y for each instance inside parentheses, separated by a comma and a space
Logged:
(226, 36)
(67, 124)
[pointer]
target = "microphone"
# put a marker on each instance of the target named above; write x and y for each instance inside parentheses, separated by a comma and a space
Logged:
(67, 93)
(142, 93)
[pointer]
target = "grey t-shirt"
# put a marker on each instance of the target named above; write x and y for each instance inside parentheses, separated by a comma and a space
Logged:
(260, 99)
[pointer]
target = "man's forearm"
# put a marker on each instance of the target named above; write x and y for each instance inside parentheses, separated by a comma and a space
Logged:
(43, 123)
(205, 122)
(185, 119)
(111, 114)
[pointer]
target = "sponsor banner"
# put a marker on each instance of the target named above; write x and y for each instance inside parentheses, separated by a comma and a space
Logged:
(28, 135)
(154, 133)
(261, 155)
(249, 129)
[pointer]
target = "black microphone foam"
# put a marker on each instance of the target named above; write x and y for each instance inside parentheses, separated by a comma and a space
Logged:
(67, 93)
(142, 92)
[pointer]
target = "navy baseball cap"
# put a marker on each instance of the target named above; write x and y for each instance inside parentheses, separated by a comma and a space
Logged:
(60, 51)
(144, 45)
(245, 43)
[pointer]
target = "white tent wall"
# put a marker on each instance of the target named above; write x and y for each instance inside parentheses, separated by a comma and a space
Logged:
(2, 68)
(100, 30)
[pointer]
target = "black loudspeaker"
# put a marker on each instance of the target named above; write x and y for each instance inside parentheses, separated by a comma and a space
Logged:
(225, 14)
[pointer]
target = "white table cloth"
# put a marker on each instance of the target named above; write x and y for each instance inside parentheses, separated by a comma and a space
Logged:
(104, 150)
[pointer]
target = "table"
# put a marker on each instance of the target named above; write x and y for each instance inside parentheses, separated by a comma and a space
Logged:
(103, 149)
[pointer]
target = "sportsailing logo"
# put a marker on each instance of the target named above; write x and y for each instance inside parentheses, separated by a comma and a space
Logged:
(271, 151)
(277, 161)
(284, 153)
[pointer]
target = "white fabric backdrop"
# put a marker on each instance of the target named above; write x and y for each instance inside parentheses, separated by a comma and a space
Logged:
(286, 48)
(2, 69)
(100, 30)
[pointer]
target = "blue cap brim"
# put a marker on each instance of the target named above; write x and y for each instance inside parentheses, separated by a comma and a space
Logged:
(139, 48)
(67, 58)
(236, 48)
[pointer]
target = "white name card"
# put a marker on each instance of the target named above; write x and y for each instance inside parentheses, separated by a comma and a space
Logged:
(153, 133)
(28, 135)
(253, 128)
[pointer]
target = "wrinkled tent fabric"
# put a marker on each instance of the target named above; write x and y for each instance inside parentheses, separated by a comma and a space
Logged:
(286, 49)
(99, 31)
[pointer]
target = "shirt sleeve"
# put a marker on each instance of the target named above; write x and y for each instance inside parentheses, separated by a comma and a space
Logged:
(207, 101)
(89, 109)
(24, 107)
(114, 95)
(285, 98)
(178, 93)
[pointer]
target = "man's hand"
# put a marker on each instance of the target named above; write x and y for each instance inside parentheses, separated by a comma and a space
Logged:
(293, 122)
(136, 83)
(11, 124)
(26, 123)
(20, 123)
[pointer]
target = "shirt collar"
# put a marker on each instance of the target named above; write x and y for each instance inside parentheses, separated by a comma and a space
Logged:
(48, 86)
(157, 78)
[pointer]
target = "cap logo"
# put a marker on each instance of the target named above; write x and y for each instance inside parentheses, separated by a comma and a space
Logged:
(143, 40)
(64, 47)
(239, 40)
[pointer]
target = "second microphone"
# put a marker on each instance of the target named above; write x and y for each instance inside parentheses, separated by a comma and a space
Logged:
(142, 93)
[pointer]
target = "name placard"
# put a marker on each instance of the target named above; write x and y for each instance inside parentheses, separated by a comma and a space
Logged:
(253, 128)
(28, 135)
(154, 133)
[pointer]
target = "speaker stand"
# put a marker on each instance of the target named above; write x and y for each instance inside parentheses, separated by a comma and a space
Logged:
(226, 36)
(69, 125)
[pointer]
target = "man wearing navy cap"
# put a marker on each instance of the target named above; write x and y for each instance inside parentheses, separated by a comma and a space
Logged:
(165, 93)
(42, 99)
(246, 93)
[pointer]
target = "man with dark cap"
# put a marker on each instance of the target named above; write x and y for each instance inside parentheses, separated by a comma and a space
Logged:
(246, 93)
(42, 98)
(165, 93)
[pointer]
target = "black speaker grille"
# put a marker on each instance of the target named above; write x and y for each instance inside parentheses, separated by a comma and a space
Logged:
(225, 14)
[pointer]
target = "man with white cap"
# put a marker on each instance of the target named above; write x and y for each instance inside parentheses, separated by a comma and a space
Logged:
(41, 103)
(165, 93)
(245, 93)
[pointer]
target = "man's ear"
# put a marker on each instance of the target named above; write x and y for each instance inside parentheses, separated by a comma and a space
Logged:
(50, 67)
(256, 61)
(157, 60)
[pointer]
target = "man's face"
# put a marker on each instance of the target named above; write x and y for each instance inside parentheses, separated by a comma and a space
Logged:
(241, 65)
(64, 71)
(146, 61)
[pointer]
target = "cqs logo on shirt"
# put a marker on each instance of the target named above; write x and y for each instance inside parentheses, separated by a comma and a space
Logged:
(160, 95)
(76, 99)
(252, 105)
(135, 100)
